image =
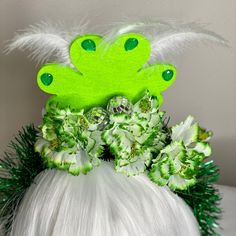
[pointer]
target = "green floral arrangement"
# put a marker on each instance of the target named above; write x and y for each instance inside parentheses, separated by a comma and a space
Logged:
(136, 136)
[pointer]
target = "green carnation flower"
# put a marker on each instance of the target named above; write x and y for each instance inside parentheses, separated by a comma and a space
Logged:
(177, 164)
(133, 137)
(68, 141)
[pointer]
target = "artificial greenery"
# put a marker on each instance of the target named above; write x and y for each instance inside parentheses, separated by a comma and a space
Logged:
(204, 198)
(18, 168)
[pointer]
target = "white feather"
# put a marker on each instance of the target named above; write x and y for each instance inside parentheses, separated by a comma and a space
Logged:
(179, 37)
(141, 26)
(146, 27)
(46, 43)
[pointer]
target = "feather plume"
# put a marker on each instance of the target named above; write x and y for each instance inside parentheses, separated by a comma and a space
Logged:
(179, 37)
(48, 43)
(45, 42)
(146, 28)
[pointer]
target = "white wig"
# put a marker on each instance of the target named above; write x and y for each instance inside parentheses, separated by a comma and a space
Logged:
(101, 203)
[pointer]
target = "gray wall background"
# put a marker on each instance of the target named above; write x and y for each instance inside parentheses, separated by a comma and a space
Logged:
(206, 82)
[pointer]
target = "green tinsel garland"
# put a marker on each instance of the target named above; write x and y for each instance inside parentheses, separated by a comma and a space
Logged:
(204, 198)
(18, 168)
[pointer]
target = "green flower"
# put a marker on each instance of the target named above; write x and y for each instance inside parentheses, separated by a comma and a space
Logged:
(177, 164)
(74, 141)
(68, 141)
(133, 137)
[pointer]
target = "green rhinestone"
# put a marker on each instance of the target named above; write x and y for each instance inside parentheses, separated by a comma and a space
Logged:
(131, 43)
(46, 79)
(88, 45)
(167, 75)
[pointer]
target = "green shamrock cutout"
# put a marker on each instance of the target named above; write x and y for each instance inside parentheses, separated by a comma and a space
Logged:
(103, 70)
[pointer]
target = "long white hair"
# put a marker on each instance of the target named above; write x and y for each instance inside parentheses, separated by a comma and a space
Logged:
(101, 203)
